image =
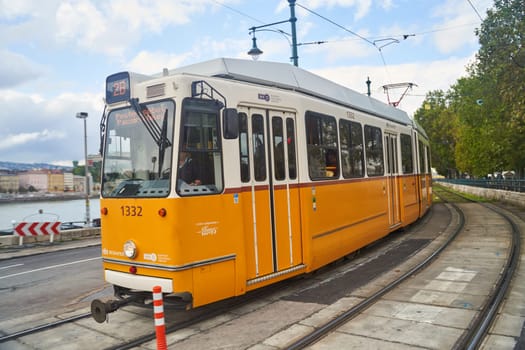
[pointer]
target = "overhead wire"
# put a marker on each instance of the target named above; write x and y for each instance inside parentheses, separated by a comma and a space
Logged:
(373, 43)
(475, 10)
(404, 36)
(334, 23)
(360, 37)
(237, 11)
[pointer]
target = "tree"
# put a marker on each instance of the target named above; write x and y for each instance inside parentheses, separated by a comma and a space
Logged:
(501, 61)
(479, 123)
(479, 138)
(438, 122)
(95, 171)
(78, 170)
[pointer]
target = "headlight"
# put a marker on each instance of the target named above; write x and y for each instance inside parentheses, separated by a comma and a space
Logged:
(130, 249)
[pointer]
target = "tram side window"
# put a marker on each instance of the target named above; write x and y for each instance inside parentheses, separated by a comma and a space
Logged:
(243, 147)
(290, 139)
(200, 149)
(421, 157)
(428, 160)
(352, 156)
(278, 148)
(407, 159)
(259, 153)
(374, 151)
(321, 134)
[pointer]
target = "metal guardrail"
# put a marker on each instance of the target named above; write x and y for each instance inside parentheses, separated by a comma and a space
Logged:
(498, 184)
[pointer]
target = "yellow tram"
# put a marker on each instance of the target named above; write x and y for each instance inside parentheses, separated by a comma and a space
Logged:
(228, 175)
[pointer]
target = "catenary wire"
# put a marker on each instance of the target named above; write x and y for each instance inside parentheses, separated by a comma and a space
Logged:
(475, 10)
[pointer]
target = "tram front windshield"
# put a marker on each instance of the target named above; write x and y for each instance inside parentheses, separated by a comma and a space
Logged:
(138, 151)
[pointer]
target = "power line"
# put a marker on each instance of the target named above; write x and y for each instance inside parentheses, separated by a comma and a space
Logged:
(373, 43)
(237, 11)
(475, 10)
(336, 24)
(404, 36)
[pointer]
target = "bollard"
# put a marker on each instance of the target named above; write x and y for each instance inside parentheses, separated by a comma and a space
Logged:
(158, 314)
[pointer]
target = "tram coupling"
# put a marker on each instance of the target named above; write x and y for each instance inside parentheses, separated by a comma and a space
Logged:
(100, 309)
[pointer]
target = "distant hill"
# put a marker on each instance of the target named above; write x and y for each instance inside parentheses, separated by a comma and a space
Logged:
(12, 166)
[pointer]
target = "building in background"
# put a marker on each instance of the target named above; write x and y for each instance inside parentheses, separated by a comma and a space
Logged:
(36, 179)
(55, 181)
(9, 182)
(79, 183)
(69, 183)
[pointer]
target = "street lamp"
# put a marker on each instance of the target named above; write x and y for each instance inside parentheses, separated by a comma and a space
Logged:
(255, 52)
(84, 115)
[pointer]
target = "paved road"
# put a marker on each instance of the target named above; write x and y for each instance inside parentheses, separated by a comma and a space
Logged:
(35, 287)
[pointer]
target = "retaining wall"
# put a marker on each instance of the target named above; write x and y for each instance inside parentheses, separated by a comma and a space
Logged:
(514, 198)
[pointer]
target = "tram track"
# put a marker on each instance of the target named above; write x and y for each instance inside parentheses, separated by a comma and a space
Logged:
(254, 296)
(285, 287)
(357, 309)
(214, 312)
(43, 327)
(225, 306)
(479, 326)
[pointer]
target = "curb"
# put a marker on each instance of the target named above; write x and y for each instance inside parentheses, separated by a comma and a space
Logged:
(70, 239)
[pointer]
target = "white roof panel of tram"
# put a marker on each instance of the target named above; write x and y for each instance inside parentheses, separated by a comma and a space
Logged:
(287, 76)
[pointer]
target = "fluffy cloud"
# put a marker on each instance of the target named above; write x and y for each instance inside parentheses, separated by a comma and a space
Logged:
(427, 76)
(16, 69)
(36, 129)
(460, 17)
(57, 53)
(16, 140)
(110, 27)
(147, 62)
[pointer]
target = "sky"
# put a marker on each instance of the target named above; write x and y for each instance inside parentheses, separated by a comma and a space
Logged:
(56, 54)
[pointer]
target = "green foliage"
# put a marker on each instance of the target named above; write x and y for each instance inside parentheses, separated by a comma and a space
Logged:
(94, 170)
(437, 120)
(478, 126)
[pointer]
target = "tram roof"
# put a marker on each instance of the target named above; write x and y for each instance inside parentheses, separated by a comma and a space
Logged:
(287, 76)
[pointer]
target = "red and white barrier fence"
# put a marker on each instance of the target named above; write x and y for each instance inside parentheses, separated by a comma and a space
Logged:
(27, 229)
(158, 314)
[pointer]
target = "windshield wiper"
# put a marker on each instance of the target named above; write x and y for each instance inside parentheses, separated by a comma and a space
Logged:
(159, 134)
(163, 142)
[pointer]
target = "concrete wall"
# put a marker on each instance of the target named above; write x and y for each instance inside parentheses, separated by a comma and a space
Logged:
(514, 198)
(68, 235)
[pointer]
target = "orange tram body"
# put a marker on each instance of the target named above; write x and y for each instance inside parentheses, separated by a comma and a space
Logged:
(228, 175)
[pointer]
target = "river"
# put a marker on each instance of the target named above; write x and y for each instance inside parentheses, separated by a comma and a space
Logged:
(63, 211)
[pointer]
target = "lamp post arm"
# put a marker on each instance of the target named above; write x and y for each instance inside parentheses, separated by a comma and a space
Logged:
(252, 29)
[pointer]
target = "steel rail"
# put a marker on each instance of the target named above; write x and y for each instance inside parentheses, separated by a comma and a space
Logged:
(43, 327)
(357, 309)
(479, 328)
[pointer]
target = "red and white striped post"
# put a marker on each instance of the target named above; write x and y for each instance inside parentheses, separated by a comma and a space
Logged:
(158, 314)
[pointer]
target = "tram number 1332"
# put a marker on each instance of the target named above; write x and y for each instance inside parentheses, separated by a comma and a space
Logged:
(131, 210)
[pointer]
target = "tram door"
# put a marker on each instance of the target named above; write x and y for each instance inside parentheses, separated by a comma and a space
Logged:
(273, 238)
(394, 209)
